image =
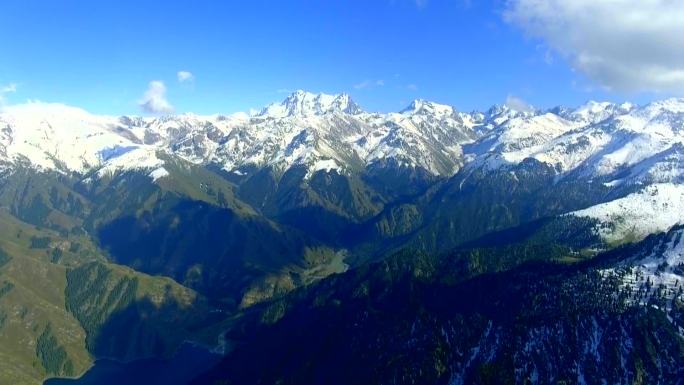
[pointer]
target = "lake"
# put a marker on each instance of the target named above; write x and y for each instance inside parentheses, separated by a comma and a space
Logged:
(189, 362)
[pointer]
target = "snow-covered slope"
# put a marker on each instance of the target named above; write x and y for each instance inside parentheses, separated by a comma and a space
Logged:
(67, 139)
(595, 140)
(655, 271)
(654, 209)
(662, 167)
(519, 138)
(594, 112)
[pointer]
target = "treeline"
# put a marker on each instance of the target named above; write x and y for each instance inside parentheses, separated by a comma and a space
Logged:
(3, 319)
(4, 257)
(52, 355)
(5, 288)
(40, 242)
(93, 293)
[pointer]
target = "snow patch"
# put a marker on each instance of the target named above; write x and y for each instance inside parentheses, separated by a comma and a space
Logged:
(654, 209)
(158, 173)
(142, 158)
(326, 165)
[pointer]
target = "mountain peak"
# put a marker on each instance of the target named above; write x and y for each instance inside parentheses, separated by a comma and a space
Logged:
(424, 107)
(500, 112)
(594, 112)
(303, 103)
(675, 105)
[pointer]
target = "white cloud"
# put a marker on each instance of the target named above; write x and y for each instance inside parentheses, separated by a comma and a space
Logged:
(154, 101)
(412, 87)
(369, 84)
(6, 89)
(518, 104)
(624, 45)
(362, 85)
(185, 76)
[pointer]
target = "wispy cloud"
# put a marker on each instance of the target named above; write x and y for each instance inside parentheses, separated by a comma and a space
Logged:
(369, 84)
(185, 76)
(518, 104)
(639, 49)
(6, 89)
(412, 87)
(154, 101)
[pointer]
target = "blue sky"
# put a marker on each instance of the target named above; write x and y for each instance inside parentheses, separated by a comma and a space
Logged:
(102, 55)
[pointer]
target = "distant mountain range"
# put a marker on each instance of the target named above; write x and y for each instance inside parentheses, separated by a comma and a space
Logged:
(246, 232)
(332, 132)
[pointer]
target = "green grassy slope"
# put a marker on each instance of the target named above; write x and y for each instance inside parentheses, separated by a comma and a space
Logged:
(43, 334)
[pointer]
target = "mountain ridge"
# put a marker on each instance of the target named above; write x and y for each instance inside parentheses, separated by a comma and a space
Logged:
(336, 134)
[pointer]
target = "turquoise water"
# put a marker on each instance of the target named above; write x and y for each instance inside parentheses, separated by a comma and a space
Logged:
(189, 362)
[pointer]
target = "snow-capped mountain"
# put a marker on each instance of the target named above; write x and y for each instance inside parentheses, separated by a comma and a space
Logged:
(594, 112)
(317, 131)
(595, 140)
(59, 137)
(622, 144)
(302, 103)
(424, 107)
